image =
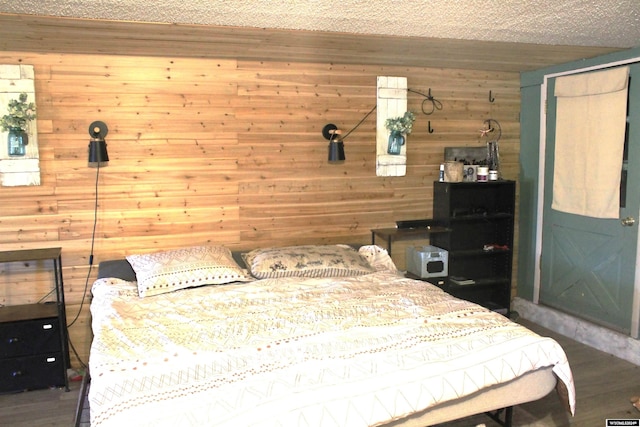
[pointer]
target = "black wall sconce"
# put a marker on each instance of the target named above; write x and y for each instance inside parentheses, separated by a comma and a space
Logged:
(336, 141)
(98, 156)
(336, 145)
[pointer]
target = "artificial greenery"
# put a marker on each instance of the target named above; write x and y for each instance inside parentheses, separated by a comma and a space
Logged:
(20, 112)
(402, 124)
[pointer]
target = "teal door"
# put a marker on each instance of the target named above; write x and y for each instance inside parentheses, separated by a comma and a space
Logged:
(588, 264)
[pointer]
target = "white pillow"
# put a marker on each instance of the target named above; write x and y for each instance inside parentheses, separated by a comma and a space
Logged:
(306, 261)
(378, 258)
(167, 271)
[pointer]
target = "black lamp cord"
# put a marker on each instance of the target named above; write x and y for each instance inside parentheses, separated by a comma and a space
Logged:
(435, 105)
(360, 122)
(86, 284)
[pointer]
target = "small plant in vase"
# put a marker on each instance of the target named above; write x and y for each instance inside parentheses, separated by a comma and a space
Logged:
(398, 128)
(19, 114)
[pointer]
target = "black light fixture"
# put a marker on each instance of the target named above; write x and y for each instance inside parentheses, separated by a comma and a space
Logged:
(98, 156)
(336, 141)
(336, 146)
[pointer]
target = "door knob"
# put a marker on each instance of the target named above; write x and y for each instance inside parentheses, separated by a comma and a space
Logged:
(628, 221)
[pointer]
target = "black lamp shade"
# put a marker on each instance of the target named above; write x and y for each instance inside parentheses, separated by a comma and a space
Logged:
(98, 155)
(336, 151)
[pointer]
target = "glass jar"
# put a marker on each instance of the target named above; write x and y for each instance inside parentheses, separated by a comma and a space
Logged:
(16, 142)
(396, 141)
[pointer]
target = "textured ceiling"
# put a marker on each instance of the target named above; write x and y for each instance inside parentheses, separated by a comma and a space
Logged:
(606, 23)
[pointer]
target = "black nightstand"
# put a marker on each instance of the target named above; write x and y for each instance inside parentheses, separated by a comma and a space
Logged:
(34, 350)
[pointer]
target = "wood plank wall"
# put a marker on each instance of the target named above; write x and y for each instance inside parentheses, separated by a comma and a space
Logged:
(206, 151)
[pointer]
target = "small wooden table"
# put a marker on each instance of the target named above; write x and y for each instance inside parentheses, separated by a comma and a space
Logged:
(392, 234)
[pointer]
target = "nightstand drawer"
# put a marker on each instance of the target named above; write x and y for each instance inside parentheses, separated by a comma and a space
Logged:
(29, 337)
(32, 372)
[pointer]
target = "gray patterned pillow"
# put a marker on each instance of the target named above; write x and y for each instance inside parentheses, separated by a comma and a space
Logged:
(306, 261)
(167, 271)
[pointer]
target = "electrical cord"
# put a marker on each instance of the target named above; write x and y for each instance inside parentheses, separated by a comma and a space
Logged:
(45, 296)
(435, 104)
(86, 284)
(75, 352)
(360, 122)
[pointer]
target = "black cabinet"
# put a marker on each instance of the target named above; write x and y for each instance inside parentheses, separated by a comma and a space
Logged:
(480, 216)
(33, 337)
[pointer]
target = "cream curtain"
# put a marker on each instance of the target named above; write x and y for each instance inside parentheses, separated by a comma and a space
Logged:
(590, 128)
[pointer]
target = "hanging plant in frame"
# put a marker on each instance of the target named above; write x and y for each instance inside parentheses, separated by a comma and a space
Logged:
(399, 127)
(19, 114)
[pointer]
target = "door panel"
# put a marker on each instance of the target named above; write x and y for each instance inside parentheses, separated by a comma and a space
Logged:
(588, 264)
(586, 276)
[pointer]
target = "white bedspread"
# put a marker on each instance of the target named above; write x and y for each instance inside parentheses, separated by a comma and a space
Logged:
(298, 352)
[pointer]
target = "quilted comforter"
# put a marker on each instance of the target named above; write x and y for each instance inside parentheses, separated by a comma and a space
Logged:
(356, 351)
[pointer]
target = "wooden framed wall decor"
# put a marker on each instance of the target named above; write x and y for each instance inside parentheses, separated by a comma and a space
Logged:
(391, 102)
(23, 169)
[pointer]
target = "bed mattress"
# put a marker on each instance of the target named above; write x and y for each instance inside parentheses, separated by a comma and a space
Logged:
(353, 351)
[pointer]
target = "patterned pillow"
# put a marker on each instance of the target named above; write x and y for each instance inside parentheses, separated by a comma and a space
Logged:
(306, 261)
(378, 258)
(167, 271)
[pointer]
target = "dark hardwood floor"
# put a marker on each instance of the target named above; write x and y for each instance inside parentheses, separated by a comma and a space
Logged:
(604, 385)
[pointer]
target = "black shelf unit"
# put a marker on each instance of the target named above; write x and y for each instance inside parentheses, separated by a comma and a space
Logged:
(480, 216)
(34, 351)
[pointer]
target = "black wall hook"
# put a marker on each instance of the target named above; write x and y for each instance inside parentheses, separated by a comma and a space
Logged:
(429, 127)
(491, 97)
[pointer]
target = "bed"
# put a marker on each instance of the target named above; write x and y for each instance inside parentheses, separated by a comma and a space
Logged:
(321, 335)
